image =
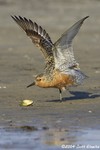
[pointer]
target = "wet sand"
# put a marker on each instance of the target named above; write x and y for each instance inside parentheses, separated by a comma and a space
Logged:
(20, 60)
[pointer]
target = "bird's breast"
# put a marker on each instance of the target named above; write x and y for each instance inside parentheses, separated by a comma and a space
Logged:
(62, 80)
(58, 80)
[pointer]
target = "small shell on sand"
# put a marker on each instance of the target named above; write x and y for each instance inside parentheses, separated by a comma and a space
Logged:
(26, 102)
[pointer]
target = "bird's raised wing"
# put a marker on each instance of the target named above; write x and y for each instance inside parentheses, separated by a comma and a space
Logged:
(63, 51)
(37, 34)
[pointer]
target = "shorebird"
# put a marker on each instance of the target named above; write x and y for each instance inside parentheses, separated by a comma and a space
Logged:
(61, 69)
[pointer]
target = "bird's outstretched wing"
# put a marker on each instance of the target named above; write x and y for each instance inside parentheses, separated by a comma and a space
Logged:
(37, 34)
(63, 51)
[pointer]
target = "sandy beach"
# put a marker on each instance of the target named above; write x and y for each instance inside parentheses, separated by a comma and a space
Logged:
(49, 123)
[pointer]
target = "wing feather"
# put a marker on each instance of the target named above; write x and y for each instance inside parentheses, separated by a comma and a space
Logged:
(63, 51)
(37, 34)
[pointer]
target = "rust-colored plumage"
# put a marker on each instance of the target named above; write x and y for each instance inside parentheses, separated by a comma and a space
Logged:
(61, 69)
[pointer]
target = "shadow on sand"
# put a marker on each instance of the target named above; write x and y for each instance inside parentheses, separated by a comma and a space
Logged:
(78, 95)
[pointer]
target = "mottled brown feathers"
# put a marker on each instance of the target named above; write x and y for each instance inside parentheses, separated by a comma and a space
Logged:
(37, 34)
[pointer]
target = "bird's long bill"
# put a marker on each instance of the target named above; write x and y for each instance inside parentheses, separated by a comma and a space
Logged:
(31, 84)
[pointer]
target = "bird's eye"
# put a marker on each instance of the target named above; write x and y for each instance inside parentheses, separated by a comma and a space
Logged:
(39, 79)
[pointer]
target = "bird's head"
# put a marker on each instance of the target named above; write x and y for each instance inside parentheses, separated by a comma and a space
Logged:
(39, 81)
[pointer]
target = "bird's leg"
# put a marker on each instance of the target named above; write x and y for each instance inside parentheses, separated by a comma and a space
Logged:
(60, 94)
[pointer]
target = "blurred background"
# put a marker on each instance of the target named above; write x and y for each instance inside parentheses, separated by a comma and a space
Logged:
(19, 57)
(20, 61)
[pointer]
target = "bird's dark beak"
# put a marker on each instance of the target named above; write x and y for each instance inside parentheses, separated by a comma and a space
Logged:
(31, 84)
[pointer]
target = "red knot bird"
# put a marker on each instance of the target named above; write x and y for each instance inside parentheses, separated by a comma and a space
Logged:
(61, 69)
